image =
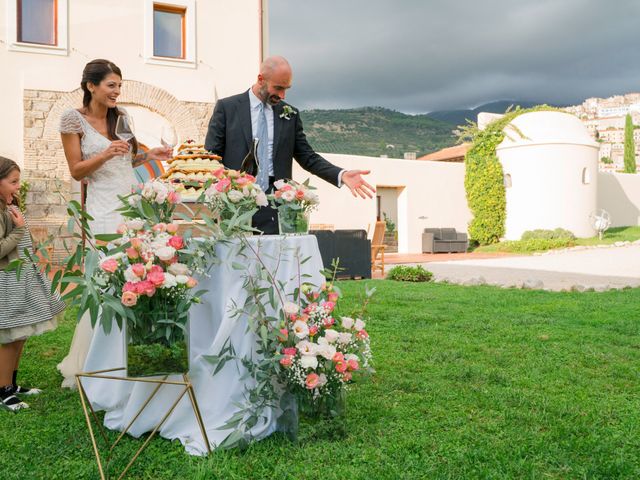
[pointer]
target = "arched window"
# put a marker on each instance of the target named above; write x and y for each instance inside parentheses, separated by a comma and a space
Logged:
(507, 180)
(586, 176)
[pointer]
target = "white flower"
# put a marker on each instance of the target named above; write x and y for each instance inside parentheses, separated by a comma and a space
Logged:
(323, 341)
(347, 323)
(147, 191)
(327, 351)
(134, 224)
(234, 196)
(289, 196)
(261, 199)
(308, 361)
(331, 335)
(178, 269)
(161, 197)
(169, 281)
(322, 380)
(300, 329)
(279, 184)
(351, 356)
(359, 325)
(165, 253)
(159, 187)
(306, 347)
(134, 200)
(182, 279)
(290, 308)
(344, 338)
(129, 276)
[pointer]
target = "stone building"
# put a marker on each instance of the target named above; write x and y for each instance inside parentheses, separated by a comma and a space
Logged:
(174, 63)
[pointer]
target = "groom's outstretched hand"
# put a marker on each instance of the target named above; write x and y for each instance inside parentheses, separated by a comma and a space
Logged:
(353, 179)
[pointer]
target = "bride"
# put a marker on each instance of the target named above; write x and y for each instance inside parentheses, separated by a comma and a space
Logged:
(95, 155)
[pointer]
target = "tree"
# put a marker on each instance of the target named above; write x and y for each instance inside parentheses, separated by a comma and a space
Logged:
(629, 146)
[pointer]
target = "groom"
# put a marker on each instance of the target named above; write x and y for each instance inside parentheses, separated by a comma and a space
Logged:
(262, 113)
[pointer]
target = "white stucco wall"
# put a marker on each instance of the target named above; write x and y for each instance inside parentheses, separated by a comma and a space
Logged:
(619, 194)
(433, 190)
(116, 32)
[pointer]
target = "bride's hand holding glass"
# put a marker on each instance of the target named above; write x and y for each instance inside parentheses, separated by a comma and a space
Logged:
(117, 148)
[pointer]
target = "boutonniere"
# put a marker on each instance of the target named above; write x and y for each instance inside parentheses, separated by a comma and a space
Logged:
(287, 111)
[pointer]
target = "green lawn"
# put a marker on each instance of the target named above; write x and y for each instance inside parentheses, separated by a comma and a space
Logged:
(611, 236)
(472, 382)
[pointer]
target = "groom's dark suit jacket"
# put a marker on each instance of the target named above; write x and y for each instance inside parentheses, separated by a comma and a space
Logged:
(229, 135)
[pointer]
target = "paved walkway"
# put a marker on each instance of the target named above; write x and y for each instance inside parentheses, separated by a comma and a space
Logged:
(599, 268)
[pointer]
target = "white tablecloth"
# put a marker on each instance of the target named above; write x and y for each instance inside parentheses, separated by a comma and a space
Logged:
(211, 325)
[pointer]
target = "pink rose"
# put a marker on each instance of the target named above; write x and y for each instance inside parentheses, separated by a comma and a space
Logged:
(352, 365)
(159, 227)
(312, 381)
(333, 297)
(299, 195)
(129, 299)
(290, 350)
(341, 367)
(313, 330)
(327, 322)
(138, 270)
(223, 185)
(145, 287)
(136, 243)
(155, 277)
(132, 253)
(286, 188)
(129, 287)
(362, 334)
(219, 173)
(329, 306)
(323, 287)
(192, 282)
(284, 335)
(338, 357)
(286, 361)
(173, 197)
(109, 265)
(172, 228)
(121, 229)
(176, 242)
(242, 181)
(346, 376)
(156, 268)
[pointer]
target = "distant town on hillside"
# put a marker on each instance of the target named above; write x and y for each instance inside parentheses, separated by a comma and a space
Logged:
(376, 131)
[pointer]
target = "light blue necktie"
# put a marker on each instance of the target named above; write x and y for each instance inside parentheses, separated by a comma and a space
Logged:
(263, 149)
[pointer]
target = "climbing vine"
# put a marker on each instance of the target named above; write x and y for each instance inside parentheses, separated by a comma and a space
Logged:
(484, 178)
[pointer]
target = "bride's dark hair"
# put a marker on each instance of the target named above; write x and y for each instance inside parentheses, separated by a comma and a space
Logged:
(94, 72)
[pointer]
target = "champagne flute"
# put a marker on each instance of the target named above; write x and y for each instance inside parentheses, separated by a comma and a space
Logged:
(168, 136)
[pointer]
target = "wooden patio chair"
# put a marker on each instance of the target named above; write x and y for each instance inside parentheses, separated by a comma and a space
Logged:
(377, 248)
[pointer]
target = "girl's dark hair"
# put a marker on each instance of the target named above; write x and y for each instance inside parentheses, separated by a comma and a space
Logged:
(6, 167)
(94, 72)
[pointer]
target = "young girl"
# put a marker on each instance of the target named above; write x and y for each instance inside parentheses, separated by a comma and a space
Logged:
(27, 307)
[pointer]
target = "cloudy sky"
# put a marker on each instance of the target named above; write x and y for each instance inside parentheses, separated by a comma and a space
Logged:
(418, 56)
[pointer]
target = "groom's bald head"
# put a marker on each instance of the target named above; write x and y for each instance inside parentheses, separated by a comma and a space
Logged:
(274, 80)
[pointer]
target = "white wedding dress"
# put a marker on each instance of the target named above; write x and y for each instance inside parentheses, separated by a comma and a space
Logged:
(115, 177)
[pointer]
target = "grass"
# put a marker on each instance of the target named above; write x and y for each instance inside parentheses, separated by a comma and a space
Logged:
(472, 382)
(611, 236)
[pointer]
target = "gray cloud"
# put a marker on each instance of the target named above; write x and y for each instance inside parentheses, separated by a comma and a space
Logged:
(424, 55)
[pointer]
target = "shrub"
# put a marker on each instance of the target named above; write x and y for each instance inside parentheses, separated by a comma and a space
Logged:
(404, 273)
(558, 233)
(533, 245)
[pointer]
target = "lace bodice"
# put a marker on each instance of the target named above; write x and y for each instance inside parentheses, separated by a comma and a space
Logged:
(113, 178)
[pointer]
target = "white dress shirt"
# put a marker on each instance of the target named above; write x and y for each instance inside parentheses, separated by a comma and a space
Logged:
(255, 102)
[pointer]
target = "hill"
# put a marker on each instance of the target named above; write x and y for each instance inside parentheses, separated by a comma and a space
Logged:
(459, 117)
(375, 131)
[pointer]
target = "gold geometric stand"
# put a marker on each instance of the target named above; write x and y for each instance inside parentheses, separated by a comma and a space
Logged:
(188, 388)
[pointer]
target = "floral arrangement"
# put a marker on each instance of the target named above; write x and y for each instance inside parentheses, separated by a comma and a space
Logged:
(155, 200)
(287, 111)
(319, 354)
(294, 202)
(234, 197)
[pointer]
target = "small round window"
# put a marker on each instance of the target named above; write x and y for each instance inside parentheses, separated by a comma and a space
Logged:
(586, 176)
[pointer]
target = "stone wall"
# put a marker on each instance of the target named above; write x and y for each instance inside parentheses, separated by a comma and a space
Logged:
(45, 166)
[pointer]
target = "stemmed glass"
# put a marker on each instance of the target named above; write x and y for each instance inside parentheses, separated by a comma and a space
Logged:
(125, 129)
(168, 136)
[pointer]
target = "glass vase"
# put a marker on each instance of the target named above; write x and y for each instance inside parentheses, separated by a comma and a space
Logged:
(149, 355)
(293, 221)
